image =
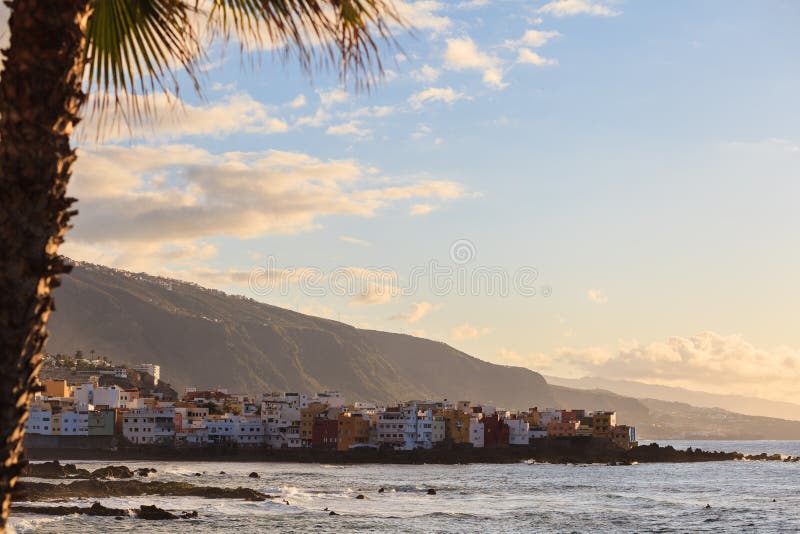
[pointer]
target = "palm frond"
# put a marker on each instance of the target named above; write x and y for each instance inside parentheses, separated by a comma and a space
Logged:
(137, 47)
(342, 34)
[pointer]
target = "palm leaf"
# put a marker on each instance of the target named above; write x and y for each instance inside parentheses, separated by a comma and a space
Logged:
(137, 47)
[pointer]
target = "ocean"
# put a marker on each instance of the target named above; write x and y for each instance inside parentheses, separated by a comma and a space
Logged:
(522, 497)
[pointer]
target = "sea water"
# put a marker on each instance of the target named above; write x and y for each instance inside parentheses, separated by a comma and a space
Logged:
(522, 497)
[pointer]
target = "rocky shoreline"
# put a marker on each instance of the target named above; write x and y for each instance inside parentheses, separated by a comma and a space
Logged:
(26, 491)
(559, 451)
(97, 509)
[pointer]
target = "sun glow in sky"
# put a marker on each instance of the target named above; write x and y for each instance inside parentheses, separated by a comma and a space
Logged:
(640, 161)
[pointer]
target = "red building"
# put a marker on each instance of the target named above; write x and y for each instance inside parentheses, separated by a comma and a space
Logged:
(324, 433)
(495, 431)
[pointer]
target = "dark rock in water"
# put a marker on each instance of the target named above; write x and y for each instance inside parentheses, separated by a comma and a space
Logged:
(708, 506)
(332, 513)
(359, 496)
(381, 490)
(254, 475)
(144, 471)
(431, 491)
(223, 473)
(54, 470)
(95, 509)
(198, 474)
(154, 513)
(112, 471)
(93, 488)
(326, 509)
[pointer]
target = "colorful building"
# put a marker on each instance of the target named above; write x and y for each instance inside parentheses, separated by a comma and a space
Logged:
(353, 430)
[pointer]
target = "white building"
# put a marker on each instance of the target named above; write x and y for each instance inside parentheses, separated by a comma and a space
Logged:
(333, 399)
(39, 419)
(476, 432)
(535, 433)
(407, 427)
(518, 431)
(151, 369)
(75, 422)
(280, 414)
(237, 429)
(548, 415)
(150, 425)
(99, 396)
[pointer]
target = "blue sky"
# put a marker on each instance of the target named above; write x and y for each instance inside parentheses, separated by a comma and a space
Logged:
(643, 157)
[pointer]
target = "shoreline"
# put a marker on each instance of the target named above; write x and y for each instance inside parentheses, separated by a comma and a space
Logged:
(557, 451)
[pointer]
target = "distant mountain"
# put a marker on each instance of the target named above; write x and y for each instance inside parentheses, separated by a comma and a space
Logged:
(205, 338)
(734, 403)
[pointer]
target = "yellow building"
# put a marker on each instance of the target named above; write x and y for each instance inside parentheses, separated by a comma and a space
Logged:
(603, 424)
(533, 417)
(56, 388)
(353, 430)
(456, 425)
(307, 416)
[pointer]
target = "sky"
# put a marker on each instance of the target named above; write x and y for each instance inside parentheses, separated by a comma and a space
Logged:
(580, 187)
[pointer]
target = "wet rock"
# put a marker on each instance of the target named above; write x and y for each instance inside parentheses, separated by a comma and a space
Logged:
(95, 509)
(254, 475)
(145, 471)
(359, 496)
(708, 507)
(189, 515)
(381, 490)
(54, 469)
(112, 471)
(198, 474)
(154, 513)
(223, 473)
(332, 513)
(431, 491)
(94, 488)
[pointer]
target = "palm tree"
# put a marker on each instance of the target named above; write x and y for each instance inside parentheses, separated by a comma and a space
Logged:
(122, 50)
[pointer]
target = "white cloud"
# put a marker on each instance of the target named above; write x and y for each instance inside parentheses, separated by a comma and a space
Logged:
(374, 293)
(332, 96)
(472, 4)
(535, 38)
(467, 331)
(435, 94)
(707, 361)
(532, 58)
(565, 8)
(463, 54)
(423, 15)
(420, 209)
(531, 361)
(596, 295)
(348, 128)
(298, 102)
(426, 73)
(171, 119)
(181, 193)
(354, 241)
(418, 311)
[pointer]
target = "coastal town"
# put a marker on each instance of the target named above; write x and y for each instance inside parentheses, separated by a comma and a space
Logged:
(81, 407)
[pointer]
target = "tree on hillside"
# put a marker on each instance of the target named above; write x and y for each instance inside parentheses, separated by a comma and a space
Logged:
(123, 50)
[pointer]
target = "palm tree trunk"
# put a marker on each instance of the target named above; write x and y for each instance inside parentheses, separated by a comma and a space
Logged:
(40, 96)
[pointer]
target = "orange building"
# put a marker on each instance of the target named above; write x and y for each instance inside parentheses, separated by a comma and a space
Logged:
(566, 429)
(456, 425)
(353, 430)
(56, 388)
(307, 416)
(603, 424)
